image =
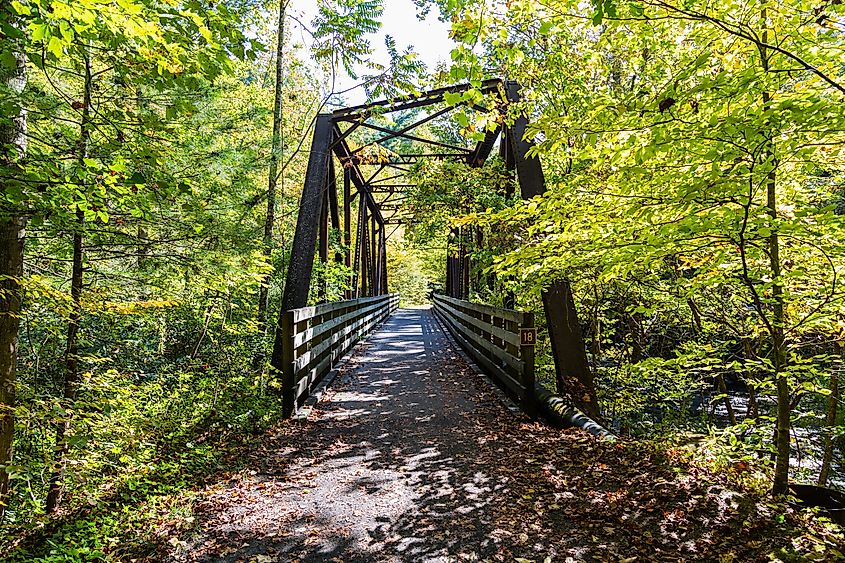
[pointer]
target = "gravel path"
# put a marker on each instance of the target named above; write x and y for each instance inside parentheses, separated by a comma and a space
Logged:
(386, 468)
(411, 457)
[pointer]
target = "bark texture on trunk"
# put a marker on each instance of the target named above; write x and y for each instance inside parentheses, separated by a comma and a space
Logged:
(275, 154)
(56, 483)
(780, 484)
(830, 419)
(12, 232)
(56, 489)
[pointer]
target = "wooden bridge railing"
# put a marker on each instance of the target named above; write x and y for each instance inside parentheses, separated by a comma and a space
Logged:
(501, 341)
(315, 337)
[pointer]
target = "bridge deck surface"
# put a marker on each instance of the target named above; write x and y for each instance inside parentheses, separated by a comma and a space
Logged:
(410, 457)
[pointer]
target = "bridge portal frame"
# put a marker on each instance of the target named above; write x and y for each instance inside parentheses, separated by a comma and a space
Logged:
(320, 207)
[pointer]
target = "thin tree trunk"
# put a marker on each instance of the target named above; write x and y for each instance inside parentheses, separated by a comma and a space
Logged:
(56, 488)
(726, 398)
(275, 154)
(830, 421)
(206, 323)
(780, 484)
(12, 234)
(753, 410)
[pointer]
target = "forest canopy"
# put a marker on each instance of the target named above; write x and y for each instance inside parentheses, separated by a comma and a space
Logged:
(152, 158)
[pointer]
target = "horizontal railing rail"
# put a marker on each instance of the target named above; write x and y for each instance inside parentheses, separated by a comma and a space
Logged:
(315, 337)
(501, 341)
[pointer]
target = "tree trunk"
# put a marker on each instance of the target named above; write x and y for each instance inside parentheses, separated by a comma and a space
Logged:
(780, 484)
(726, 398)
(275, 153)
(56, 488)
(12, 233)
(830, 421)
(54, 494)
(573, 376)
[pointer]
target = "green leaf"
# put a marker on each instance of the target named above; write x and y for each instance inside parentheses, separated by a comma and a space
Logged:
(55, 46)
(452, 98)
(21, 9)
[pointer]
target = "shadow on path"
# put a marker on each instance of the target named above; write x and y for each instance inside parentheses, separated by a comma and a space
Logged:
(410, 457)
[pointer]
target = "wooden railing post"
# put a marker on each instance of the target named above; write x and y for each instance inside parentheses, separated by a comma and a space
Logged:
(501, 341)
(311, 339)
(288, 376)
(528, 340)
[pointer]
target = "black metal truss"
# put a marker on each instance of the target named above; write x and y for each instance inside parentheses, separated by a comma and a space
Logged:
(375, 179)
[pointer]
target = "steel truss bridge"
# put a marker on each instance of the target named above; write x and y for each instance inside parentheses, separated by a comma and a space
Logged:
(309, 340)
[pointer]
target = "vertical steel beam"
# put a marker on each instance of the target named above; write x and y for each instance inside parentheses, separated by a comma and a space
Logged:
(448, 270)
(385, 288)
(528, 169)
(573, 375)
(572, 372)
(506, 154)
(324, 229)
(365, 252)
(347, 229)
(373, 258)
(322, 281)
(376, 258)
(334, 210)
(463, 264)
(359, 248)
(301, 266)
(449, 289)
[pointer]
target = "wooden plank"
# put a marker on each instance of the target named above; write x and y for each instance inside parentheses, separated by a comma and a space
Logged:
(507, 314)
(315, 374)
(334, 338)
(489, 328)
(488, 346)
(308, 357)
(528, 378)
(284, 341)
(360, 327)
(305, 313)
(511, 384)
(319, 330)
(311, 376)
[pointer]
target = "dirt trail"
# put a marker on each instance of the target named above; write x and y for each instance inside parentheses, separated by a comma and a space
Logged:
(411, 457)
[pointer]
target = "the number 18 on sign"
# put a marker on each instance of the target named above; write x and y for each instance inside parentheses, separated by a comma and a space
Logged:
(528, 336)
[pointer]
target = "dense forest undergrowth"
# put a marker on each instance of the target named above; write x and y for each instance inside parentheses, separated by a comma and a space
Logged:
(152, 155)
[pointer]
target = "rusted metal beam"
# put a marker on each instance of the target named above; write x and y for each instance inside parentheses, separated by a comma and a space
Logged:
(398, 159)
(347, 228)
(400, 132)
(341, 150)
(483, 149)
(310, 206)
(400, 104)
(301, 264)
(395, 134)
(573, 376)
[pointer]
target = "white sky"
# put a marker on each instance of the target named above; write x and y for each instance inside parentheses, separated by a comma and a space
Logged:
(429, 38)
